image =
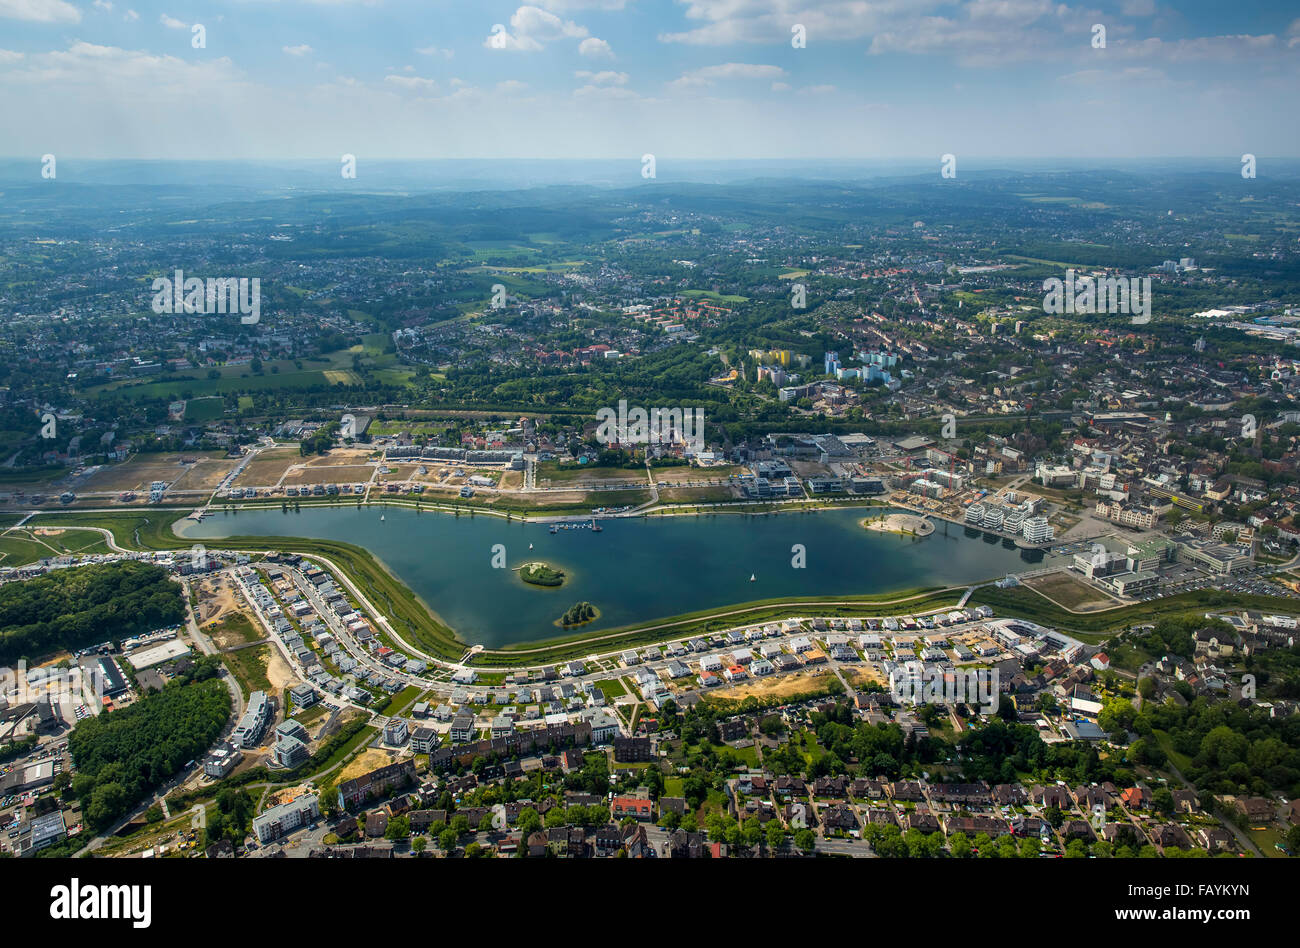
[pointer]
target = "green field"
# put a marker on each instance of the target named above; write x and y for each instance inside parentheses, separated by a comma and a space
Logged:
(1093, 627)
(248, 665)
(204, 409)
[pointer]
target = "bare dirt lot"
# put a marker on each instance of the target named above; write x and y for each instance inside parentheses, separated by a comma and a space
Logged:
(342, 456)
(1070, 592)
(782, 686)
(140, 471)
(328, 474)
(278, 672)
(677, 475)
(206, 474)
(232, 627)
(859, 676)
(265, 469)
(369, 759)
(216, 598)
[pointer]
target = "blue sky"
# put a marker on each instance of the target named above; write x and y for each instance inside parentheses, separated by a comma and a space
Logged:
(621, 78)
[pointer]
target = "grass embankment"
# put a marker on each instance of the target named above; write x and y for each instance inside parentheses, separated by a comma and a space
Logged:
(1095, 626)
(712, 620)
(410, 617)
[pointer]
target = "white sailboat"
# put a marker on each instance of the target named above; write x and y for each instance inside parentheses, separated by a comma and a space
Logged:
(530, 546)
(381, 518)
(752, 577)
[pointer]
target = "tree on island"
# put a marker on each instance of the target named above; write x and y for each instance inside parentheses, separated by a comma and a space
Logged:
(579, 613)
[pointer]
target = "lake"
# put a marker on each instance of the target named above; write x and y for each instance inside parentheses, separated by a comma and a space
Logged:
(635, 569)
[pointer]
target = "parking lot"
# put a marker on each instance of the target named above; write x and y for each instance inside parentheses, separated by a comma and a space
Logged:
(1255, 581)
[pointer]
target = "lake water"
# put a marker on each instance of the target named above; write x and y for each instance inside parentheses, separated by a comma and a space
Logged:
(634, 570)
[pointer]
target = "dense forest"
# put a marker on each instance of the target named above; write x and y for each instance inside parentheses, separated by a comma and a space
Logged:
(73, 608)
(123, 756)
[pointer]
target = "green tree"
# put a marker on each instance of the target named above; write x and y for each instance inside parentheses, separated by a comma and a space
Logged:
(775, 834)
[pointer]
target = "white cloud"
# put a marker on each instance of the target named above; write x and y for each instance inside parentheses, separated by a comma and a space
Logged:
(9, 56)
(769, 21)
(510, 86)
(708, 75)
(1096, 77)
(40, 11)
(592, 92)
(531, 28)
(436, 52)
(413, 83)
(103, 5)
(110, 67)
(131, 16)
(595, 48)
(566, 6)
(302, 50)
(1138, 7)
(1242, 47)
(605, 77)
(172, 23)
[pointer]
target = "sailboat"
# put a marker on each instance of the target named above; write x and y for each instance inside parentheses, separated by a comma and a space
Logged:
(381, 518)
(530, 546)
(752, 577)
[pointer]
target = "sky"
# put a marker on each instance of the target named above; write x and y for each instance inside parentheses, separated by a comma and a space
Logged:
(699, 79)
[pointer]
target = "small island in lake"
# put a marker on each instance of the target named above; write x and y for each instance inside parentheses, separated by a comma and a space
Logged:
(541, 574)
(579, 614)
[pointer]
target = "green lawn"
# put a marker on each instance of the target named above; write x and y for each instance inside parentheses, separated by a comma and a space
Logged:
(1181, 761)
(204, 409)
(401, 701)
(551, 471)
(248, 665)
(612, 688)
(15, 550)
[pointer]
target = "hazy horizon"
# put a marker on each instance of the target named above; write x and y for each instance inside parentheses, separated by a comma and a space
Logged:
(603, 79)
